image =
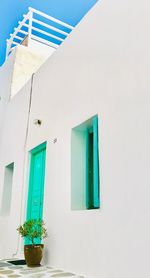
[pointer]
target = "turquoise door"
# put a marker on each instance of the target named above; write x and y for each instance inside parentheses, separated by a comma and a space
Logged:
(36, 182)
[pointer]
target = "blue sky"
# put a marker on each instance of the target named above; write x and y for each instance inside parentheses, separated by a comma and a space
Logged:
(69, 11)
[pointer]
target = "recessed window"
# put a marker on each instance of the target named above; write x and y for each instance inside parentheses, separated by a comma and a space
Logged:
(85, 166)
(7, 189)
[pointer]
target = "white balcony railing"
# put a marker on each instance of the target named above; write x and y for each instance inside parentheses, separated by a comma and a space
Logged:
(40, 27)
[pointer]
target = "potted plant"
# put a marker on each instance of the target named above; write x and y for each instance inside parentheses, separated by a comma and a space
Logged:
(33, 230)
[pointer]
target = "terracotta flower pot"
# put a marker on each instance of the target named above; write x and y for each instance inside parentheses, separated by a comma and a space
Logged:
(33, 254)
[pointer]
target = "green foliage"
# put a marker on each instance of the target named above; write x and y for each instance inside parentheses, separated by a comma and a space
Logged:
(33, 229)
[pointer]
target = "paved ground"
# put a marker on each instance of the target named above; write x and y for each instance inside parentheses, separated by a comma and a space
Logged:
(9, 270)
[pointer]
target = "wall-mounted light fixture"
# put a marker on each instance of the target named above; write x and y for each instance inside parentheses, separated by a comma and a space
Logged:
(37, 122)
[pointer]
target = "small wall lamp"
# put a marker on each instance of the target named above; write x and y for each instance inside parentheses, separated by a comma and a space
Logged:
(37, 122)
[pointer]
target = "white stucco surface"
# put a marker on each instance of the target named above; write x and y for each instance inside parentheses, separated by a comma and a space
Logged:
(102, 68)
(6, 72)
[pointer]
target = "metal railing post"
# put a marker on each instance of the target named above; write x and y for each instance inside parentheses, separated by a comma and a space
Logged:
(30, 24)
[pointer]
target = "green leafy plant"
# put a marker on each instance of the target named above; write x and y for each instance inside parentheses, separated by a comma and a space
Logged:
(33, 229)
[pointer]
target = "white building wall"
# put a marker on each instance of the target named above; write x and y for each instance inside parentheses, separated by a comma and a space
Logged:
(12, 149)
(5, 82)
(102, 68)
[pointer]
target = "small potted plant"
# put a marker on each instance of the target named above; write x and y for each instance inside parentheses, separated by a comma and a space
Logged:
(33, 230)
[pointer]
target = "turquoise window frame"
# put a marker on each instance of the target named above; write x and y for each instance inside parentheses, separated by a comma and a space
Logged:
(92, 189)
(85, 174)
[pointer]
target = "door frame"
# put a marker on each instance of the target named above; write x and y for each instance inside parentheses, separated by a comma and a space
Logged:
(35, 150)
